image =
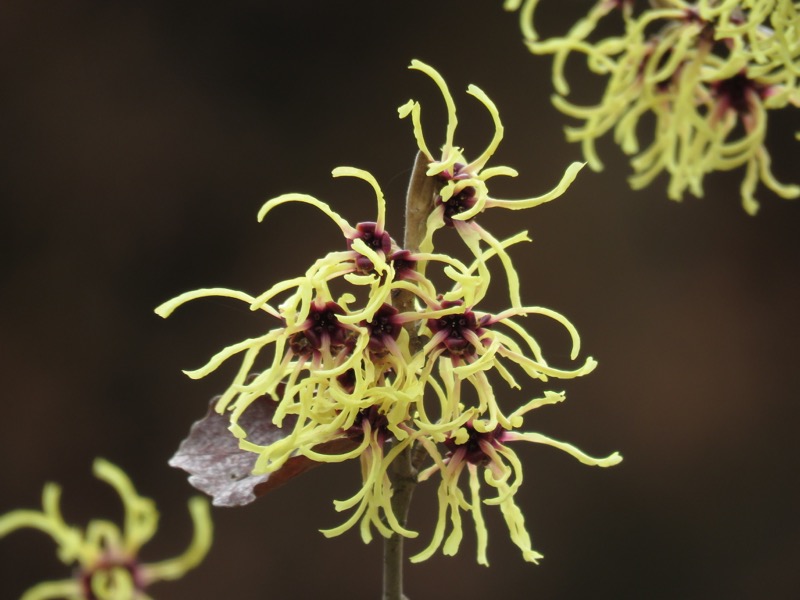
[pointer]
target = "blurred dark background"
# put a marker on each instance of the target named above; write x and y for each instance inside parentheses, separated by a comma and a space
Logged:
(139, 141)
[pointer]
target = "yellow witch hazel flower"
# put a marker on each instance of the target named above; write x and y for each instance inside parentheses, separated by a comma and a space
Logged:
(477, 447)
(106, 557)
(463, 193)
(365, 357)
(767, 29)
(707, 72)
(464, 344)
(577, 34)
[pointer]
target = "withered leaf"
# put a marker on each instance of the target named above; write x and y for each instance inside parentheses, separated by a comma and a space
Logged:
(219, 468)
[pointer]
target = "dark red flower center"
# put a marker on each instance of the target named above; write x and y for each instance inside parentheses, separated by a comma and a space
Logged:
(322, 326)
(736, 92)
(347, 380)
(457, 326)
(384, 324)
(108, 564)
(473, 452)
(403, 263)
(375, 239)
(377, 423)
(458, 203)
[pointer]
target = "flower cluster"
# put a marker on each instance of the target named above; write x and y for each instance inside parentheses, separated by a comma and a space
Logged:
(106, 557)
(708, 72)
(365, 346)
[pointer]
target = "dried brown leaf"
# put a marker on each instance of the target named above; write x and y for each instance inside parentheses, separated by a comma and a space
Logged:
(219, 468)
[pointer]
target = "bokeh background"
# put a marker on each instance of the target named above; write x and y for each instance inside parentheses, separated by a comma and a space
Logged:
(139, 141)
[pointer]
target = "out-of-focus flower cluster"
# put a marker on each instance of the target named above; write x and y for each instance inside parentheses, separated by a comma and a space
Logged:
(705, 72)
(365, 345)
(105, 556)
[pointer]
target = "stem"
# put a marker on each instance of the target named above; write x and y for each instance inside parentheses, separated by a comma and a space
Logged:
(404, 478)
(419, 203)
(402, 471)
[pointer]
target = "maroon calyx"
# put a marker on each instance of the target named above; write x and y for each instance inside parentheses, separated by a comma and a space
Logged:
(384, 328)
(321, 328)
(462, 200)
(107, 564)
(737, 93)
(459, 172)
(473, 447)
(404, 264)
(692, 15)
(375, 239)
(455, 343)
(347, 380)
(377, 423)
(458, 203)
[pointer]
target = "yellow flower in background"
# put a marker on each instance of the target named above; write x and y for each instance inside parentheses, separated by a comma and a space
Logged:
(707, 72)
(574, 40)
(525, 16)
(105, 555)
(768, 30)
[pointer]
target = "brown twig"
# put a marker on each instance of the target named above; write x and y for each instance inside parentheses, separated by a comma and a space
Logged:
(403, 470)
